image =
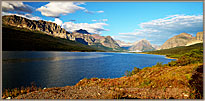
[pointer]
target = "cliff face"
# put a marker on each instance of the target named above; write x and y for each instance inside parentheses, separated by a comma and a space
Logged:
(106, 41)
(199, 36)
(82, 38)
(44, 26)
(197, 39)
(142, 45)
(183, 39)
(53, 29)
(178, 40)
(110, 42)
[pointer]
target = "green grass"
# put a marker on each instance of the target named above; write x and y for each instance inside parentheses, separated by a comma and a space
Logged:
(20, 39)
(177, 51)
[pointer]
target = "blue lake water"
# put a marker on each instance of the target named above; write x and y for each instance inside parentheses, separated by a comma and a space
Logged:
(57, 69)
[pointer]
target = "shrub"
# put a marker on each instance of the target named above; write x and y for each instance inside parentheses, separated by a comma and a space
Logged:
(159, 64)
(133, 72)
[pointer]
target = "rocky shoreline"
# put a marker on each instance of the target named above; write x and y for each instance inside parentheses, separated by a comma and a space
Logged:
(149, 83)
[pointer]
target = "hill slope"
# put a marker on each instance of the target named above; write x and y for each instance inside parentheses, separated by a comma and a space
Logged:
(176, 52)
(16, 39)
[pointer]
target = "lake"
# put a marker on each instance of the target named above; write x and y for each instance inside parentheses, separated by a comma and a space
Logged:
(57, 69)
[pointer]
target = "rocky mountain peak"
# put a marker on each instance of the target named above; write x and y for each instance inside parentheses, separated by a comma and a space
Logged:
(142, 45)
(183, 39)
(185, 34)
(82, 31)
(199, 36)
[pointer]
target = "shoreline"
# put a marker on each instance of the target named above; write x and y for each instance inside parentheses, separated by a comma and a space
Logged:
(159, 54)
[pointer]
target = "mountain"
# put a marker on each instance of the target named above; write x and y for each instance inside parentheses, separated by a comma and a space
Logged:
(124, 44)
(22, 39)
(82, 31)
(55, 30)
(44, 26)
(106, 41)
(142, 45)
(197, 39)
(183, 39)
(156, 46)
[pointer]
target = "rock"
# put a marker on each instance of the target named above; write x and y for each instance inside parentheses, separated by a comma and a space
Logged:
(199, 36)
(142, 45)
(8, 98)
(44, 26)
(178, 40)
(82, 31)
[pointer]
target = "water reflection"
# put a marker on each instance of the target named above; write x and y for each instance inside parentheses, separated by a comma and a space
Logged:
(52, 58)
(50, 69)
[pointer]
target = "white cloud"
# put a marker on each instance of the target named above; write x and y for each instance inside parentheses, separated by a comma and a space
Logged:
(160, 30)
(100, 11)
(91, 28)
(16, 6)
(58, 21)
(94, 20)
(126, 38)
(176, 24)
(101, 20)
(104, 19)
(55, 9)
(28, 16)
(79, 3)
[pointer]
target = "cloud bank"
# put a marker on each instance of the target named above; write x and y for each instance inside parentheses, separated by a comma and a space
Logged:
(96, 28)
(28, 16)
(58, 21)
(56, 9)
(160, 30)
(16, 6)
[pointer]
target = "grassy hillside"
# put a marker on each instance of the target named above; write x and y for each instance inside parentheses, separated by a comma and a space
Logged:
(177, 51)
(19, 39)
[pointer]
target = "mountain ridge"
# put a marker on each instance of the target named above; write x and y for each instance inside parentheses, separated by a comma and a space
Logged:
(55, 30)
(183, 39)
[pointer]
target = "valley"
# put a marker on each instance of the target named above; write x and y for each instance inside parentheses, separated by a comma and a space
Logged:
(151, 79)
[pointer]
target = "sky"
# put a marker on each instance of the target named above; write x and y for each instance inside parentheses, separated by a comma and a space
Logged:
(125, 21)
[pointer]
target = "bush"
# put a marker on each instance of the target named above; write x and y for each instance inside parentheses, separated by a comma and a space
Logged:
(194, 56)
(133, 72)
(159, 64)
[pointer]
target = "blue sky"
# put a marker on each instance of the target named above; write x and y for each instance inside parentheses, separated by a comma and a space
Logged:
(126, 21)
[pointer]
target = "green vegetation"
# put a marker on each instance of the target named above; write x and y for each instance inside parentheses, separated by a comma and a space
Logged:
(101, 47)
(21, 39)
(177, 51)
(133, 72)
(192, 57)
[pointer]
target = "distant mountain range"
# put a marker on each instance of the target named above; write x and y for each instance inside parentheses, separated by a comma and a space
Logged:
(52, 29)
(183, 39)
(95, 40)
